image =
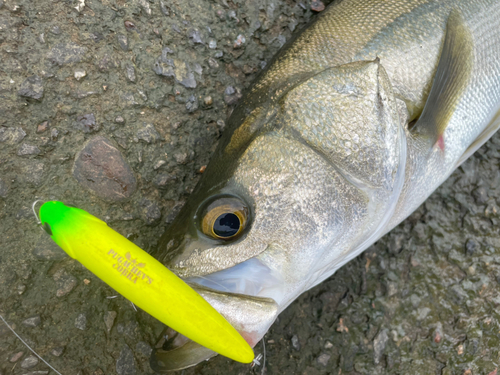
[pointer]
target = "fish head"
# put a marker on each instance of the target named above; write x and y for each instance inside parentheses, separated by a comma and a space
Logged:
(281, 206)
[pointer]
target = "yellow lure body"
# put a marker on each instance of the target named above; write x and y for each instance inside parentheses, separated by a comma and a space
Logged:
(140, 278)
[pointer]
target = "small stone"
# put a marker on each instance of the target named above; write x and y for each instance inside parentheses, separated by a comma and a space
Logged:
(130, 72)
(27, 150)
(64, 282)
(323, 359)
(46, 249)
(162, 180)
(471, 246)
(29, 362)
(208, 101)
(148, 134)
(295, 342)
(66, 53)
(379, 344)
(480, 195)
(317, 6)
(16, 357)
(192, 104)
(57, 352)
(122, 41)
(213, 63)
(79, 74)
(212, 44)
(149, 211)
(41, 38)
(202, 169)
(101, 168)
(44, 126)
(164, 8)
(81, 322)
(231, 95)
(109, 320)
(54, 133)
(119, 120)
(56, 30)
(32, 88)
(34, 321)
(159, 164)
(437, 335)
(460, 349)
(129, 25)
(87, 123)
(239, 42)
(194, 36)
(181, 157)
(328, 345)
(125, 365)
(21, 289)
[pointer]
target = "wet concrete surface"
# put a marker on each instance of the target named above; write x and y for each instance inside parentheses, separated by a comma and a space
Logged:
(116, 106)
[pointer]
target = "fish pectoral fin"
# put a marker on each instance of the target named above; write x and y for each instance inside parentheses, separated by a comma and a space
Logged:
(450, 81)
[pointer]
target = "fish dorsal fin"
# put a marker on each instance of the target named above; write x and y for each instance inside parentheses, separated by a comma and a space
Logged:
(450, 81)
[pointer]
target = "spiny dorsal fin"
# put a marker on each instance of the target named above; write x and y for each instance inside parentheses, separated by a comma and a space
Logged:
(452, 76)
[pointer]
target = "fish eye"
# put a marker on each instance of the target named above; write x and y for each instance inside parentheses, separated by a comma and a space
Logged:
(224, 218)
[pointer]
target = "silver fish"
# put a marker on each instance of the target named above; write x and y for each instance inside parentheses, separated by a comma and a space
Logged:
(353, 125)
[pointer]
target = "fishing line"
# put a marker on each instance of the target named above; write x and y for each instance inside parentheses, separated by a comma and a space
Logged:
(24, 342)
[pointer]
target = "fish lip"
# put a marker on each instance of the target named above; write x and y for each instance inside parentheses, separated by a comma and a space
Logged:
(188, 353)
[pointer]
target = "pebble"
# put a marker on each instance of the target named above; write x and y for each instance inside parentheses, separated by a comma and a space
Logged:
(44, 126)
(122, 41)
(471, 246)
(58, 351)
(148, 134)
(194, 36)
(46, 249)
(27, 150)
(56, 30)
(208, 101)
(66, 53)
(164, 8)
(34, 321)
(239, 42)
(379, 344)
(65, 282)
(81, 322)
(480, 195)
(213, 63)
(101, 168)
(79, 74)
(317, 6)
(87, 123)
(192, 104)
(109, 320)
(29, 362)
(125, 365)
(130, 72)
(149, 211)
(323, 359)
(181, 157)
(15, 357)
(163, 179)
(295, 342)
(129, 25)
(212, 44)
(32, 88)
(119, 120)
(54, 133)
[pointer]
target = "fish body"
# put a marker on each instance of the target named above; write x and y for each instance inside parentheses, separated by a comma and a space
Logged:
(353, 125)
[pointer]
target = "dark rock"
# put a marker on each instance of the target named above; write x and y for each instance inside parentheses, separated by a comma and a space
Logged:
(471, 246)
(122, 41)
(480, 195)
(46, 249)
(148, 134)
(32, 88)
(4, 188)
(295, 342)
(231, 95)
(194, 36)
(180, 70)
(87, 123)
(130, 72)
(66, 53)
(81, 322)
(125, 365)
(34, 321)
(13, 135)
(101, 168)
(149, 211)
(192, 104)
(27, 150)
(29, 362)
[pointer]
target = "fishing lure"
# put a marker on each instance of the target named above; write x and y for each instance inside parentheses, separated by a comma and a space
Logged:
(141, 279)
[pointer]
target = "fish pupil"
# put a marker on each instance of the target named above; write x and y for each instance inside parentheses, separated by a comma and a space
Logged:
(227, 225)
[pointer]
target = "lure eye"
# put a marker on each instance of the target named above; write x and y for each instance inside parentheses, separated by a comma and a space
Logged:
(224, 218)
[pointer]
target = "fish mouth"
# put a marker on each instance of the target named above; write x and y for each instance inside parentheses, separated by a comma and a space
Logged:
(242, 294)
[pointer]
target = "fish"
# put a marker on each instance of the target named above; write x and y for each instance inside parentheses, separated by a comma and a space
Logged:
(355, 122)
